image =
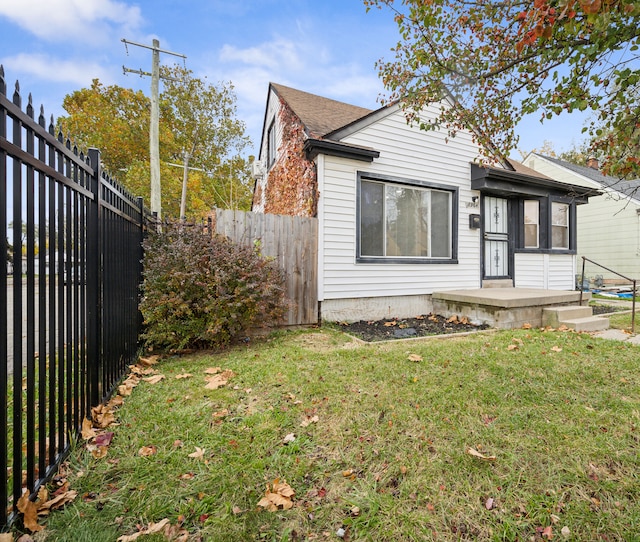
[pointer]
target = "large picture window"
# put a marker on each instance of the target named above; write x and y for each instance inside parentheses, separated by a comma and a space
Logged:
(399, 221)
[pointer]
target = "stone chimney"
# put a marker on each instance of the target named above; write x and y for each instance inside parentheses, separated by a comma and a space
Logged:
(592, 162)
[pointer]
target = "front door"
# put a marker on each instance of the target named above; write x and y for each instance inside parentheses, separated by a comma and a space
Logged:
(497, 257)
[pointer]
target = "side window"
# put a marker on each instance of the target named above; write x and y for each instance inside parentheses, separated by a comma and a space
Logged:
(271, 144)
(559, 225)
(531, 224)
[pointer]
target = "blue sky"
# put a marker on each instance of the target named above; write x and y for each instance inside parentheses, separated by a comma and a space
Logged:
(327, 47)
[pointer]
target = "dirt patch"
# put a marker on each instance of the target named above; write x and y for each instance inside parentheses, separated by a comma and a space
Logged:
(420, 326)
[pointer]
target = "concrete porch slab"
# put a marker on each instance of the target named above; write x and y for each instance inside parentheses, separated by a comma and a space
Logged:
(503, 308)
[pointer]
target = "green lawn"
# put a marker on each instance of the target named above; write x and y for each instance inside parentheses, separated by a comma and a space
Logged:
(384, 448)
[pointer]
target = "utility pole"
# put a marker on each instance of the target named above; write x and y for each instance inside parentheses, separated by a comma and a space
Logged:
(154, 144)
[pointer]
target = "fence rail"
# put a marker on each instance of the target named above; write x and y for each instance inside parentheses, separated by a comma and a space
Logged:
(292, 242)
(69, 279)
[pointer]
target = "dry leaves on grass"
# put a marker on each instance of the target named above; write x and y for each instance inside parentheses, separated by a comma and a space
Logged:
(41, 506)
(154, 379)
(198, 454)
(475, 453)
(151, 529)
(279, 496)
(147, 451)
(309, 420)
(218, 379)
(414, 357)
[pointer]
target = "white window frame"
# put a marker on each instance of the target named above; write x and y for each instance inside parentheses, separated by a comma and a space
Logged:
(556, 225)
(529, 221)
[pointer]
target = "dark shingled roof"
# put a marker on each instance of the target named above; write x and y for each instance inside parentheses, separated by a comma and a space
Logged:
(630, 188)
(319, 115)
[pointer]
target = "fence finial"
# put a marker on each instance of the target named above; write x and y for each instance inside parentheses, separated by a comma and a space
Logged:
(30, 106)
(3, 84)
(41, 120)
(16, 95)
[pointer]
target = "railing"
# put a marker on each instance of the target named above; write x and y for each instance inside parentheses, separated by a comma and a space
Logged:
(69, 321)
(633, 281)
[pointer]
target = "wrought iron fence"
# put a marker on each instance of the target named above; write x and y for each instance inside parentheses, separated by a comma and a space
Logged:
(69, 280)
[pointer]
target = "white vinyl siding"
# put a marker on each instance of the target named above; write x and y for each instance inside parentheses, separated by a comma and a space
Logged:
(405, 152)
(548, 271)
(607, 228)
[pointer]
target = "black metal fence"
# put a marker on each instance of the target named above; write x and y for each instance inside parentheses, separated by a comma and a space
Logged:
(69, 280)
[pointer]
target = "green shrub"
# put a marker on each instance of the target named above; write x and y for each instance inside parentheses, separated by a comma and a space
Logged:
(204, 291)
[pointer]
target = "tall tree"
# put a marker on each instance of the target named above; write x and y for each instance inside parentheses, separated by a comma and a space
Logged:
(503, 59)
(116, 120)
(205, 126)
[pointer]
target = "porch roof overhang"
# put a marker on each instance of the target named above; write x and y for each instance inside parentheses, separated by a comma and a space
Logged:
(507, 183)
(314, 147)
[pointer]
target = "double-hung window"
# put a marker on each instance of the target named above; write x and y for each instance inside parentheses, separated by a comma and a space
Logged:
(559, 225)
(404, 222)
(531, 224)
(271, 144)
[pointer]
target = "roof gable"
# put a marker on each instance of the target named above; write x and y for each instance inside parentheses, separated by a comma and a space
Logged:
(629, 188)
(319, 115)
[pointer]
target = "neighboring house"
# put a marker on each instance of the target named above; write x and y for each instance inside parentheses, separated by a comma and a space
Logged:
(404, 212)
(609, 227)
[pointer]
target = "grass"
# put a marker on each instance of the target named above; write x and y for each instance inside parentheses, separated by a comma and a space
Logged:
(387, 459)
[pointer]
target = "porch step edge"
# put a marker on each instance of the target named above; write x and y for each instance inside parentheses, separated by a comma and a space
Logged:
(591, 323)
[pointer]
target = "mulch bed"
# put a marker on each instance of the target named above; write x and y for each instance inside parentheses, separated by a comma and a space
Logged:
(420, 326)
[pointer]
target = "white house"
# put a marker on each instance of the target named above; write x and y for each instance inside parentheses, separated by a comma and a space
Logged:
(403, 212)
(609, 227)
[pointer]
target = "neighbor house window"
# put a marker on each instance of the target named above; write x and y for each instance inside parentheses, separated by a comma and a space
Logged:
(559, 225)
(398, 221)
(271, 144)
(531, 224)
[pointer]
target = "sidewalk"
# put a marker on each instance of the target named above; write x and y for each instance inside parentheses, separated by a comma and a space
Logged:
(617, 335)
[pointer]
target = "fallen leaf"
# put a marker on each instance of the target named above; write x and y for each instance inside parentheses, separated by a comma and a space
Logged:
(104, 439)
(414, 357)
(289, 438)
(556, 349)
(178, 443)
(453, 319)
(148, 361)
(29, 510)
(488, 504)
(147, 451)
(309, 420)
(547, 533)
(236, 510)
(476, 453)
(198, 454)
(59, 501)
(6, 537)
(184, 375)
(212, 370)
(151, 529)
(219, 380)
(390, 324)
(512, 347)
(98, 452)
(565, 531)
(277, 497)
(526, 326)
(153, 379)
(88, 432)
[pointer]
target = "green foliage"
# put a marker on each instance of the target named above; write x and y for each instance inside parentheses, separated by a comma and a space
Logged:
(198, 124)
(203, 291)
(503, 60)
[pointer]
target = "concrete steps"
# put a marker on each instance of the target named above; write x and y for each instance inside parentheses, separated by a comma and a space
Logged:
(575, 317)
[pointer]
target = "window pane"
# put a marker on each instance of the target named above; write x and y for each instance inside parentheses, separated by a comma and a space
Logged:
(440, 224)
(531, 222)
(371, 219)
(559, 225)
(407, 221)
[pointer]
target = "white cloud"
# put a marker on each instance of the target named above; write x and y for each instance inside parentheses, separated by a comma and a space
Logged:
(45, 68)
(86, 21)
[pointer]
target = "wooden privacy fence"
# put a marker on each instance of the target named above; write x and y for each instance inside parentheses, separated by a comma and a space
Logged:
(292, 242)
